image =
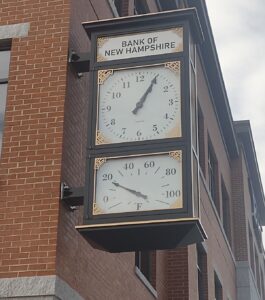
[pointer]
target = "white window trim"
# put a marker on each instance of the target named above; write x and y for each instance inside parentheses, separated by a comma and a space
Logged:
(113, 8)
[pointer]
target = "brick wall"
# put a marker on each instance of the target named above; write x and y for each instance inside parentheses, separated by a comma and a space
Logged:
(31, 154)
(177, 272)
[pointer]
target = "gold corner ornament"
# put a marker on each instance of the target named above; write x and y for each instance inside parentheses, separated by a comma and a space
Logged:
(177, 155)
(99, 162)
(179, 31)
(100, 58)
(101, 41)
(96, 209)
(100, 139)
(173, 66)
(177, 204)
(103, 75)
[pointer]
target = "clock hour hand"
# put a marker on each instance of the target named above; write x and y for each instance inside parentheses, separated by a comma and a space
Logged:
(137, 194)
(140, 103)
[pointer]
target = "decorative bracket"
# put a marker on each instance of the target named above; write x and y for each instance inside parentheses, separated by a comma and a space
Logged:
(80, 62)
(72, 197)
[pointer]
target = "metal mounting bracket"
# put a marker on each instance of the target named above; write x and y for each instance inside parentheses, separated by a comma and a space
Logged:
(80, 62)
(72, 196)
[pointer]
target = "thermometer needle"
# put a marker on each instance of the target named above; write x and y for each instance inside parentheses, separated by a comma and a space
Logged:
(137, 194)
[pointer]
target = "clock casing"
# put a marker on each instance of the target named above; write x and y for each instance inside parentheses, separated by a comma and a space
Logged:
(142, 174)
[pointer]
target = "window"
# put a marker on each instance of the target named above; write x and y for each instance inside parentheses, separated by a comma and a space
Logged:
(226, 213)
(213, 176)
(257, 269)
(255, 216)
(218, 290)
(120, 8)
(201, 140)
(171, 4)
(145, 261)
(251, 250)
(262, 283)
(4, 70)
(140, 7)
(202, 273)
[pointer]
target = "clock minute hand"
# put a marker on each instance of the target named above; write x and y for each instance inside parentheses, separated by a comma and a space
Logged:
(140, 103)
(138, 194)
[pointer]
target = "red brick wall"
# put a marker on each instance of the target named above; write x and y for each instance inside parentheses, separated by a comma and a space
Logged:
(31, 155)
(177, 272)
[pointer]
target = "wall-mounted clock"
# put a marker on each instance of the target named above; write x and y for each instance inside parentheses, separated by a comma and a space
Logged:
(138, 183)
(142, 188)
(139, 103)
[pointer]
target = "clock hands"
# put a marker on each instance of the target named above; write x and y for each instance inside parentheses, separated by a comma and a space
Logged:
(140, 103)
(137, 194)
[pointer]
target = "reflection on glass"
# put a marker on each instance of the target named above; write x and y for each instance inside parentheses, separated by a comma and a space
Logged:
(3, 94)
(4, 63)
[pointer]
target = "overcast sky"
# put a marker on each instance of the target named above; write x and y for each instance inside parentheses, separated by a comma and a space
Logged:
(239, 31)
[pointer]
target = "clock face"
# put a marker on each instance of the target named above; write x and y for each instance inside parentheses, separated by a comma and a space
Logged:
(138, 104)
(139, 183)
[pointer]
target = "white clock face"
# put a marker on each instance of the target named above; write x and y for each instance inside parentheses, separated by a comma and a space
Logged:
(138, 104)
(141, 183)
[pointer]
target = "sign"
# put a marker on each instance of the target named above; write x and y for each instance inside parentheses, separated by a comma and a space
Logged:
(140, 44)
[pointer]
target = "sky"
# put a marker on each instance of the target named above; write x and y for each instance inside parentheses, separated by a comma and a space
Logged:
(239, 33)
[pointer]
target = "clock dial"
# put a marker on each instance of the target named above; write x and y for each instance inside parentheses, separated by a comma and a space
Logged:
(140, 183)
(138, 104)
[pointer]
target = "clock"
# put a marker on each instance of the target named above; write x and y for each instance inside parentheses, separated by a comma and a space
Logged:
(138, 183)
(139, 103)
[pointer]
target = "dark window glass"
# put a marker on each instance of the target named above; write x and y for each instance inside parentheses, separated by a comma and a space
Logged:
(262, 283)
(226, 213)
(251, 250)
(145, 261)
(4, 69)
(171, 4)
(213, 176)
(201, 140)
(140, 7)
(202, 273)
(4, 64)
(218, 288)
(257, 270)
(122, 7)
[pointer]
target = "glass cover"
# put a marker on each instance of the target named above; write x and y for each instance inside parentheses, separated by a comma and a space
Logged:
(4, 64)
(3, 94)
(140, 183)
(138, 104)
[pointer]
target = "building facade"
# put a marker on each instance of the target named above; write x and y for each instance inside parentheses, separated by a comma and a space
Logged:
(44, 106)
